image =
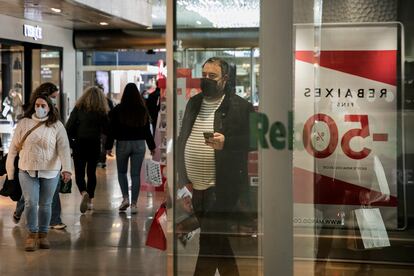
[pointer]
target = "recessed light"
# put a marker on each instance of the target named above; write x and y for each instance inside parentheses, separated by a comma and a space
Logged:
(56, 10)
(198, 22)
(103, 23)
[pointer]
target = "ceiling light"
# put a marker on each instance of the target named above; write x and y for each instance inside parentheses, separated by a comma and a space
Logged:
(198, 22)
(226, 13)
(56, 10)
(103, 23)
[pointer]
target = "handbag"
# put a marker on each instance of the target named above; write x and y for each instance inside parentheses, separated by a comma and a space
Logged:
(11, 188)
(367, 230)
(65, 188)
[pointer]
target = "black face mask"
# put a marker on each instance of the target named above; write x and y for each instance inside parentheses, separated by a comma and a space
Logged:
(210, 88)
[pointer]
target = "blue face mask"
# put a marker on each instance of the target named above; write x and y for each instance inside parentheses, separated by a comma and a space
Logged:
(40, 112)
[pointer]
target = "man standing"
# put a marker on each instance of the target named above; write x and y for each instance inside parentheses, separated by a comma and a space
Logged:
(212, 160)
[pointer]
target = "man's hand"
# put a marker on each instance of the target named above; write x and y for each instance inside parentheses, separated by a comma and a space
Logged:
(216, 142)
(66, 176)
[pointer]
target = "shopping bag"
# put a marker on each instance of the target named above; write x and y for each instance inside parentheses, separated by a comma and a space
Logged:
(157, 234)
(186, 223)
(368, 230)
(152, 172)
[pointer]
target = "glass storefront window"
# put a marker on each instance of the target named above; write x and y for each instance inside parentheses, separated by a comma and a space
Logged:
(216, 215)
(12, 89)
(350, 185)
(350, 137)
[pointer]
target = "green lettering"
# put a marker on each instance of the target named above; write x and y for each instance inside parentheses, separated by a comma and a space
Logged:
(277, 135)
(259, 125)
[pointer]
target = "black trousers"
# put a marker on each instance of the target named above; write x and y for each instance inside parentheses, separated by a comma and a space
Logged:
(85, 159)
(215, 249)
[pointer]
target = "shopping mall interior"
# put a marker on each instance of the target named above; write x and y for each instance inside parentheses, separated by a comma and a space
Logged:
(324, 183)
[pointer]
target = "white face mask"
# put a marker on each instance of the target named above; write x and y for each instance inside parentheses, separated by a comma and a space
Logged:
(40, 112)
(53, 100)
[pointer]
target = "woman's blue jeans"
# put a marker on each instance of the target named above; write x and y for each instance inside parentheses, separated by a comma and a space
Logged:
(56, 208)
(135, 151)
(38, 194)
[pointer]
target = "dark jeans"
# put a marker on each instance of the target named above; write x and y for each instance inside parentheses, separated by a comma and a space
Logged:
(215, 249)
(85, 159)
(56, 208)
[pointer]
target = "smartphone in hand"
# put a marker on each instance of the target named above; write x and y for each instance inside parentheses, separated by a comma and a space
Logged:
(208, 135)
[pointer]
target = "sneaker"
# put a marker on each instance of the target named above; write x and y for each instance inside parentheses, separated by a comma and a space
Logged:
(124, 205)
(134, 208)
(59, 226)
(84, 203)
(16, 218)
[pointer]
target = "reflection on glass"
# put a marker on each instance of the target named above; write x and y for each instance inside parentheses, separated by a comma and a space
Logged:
(12, 84)
(216, 203)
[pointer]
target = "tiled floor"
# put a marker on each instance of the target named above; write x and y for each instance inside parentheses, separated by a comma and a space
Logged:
(101, 242)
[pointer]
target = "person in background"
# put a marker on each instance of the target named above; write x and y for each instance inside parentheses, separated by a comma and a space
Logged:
(87, 122)
(153, 105)
(102, 156)
(56, 223)
(130, 127)
(44, 153)
(212, 162)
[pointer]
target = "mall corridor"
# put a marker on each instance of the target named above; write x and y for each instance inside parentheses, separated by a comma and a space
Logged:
(100, 242)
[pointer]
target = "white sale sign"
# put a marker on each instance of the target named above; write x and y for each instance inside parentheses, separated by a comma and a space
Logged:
(345, 152)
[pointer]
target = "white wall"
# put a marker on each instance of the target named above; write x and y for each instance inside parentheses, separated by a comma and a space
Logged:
(12, 28)
(138, 11)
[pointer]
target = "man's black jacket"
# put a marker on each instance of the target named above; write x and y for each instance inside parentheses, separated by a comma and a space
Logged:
(232, 120)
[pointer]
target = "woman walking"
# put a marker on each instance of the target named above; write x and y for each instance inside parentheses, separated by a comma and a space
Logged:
(130, 126)
(52, 92)
(87, 121)
(42, 144)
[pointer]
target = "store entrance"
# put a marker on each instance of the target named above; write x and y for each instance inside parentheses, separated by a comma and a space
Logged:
(24, 66)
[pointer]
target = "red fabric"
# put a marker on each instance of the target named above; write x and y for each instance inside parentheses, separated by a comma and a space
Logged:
(156, 236)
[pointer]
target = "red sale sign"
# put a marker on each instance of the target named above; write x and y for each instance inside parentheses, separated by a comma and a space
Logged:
(345, 151)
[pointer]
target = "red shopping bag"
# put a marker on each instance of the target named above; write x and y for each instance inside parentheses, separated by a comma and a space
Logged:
(157, 234)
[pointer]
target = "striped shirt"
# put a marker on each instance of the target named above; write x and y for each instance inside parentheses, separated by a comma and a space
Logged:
(199, 158)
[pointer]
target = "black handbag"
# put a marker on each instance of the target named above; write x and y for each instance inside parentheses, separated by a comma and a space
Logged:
(11, 188)
(65, 188)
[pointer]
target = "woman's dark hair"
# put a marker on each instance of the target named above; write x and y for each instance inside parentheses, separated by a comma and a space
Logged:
(53, 115)
(47, 88)
(132, 109)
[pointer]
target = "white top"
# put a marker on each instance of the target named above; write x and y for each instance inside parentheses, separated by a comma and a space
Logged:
(45, 150)
(199, 158)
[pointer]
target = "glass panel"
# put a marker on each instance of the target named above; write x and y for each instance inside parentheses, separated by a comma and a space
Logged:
(12, 89)
(46, 68)
(216, 191)
(352, 120)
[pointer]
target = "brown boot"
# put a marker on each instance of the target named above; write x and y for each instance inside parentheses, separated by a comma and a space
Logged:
(31, 242)
(43, 241)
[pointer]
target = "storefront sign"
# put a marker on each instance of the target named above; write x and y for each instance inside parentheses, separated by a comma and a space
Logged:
(34, 32)
(345, 112)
